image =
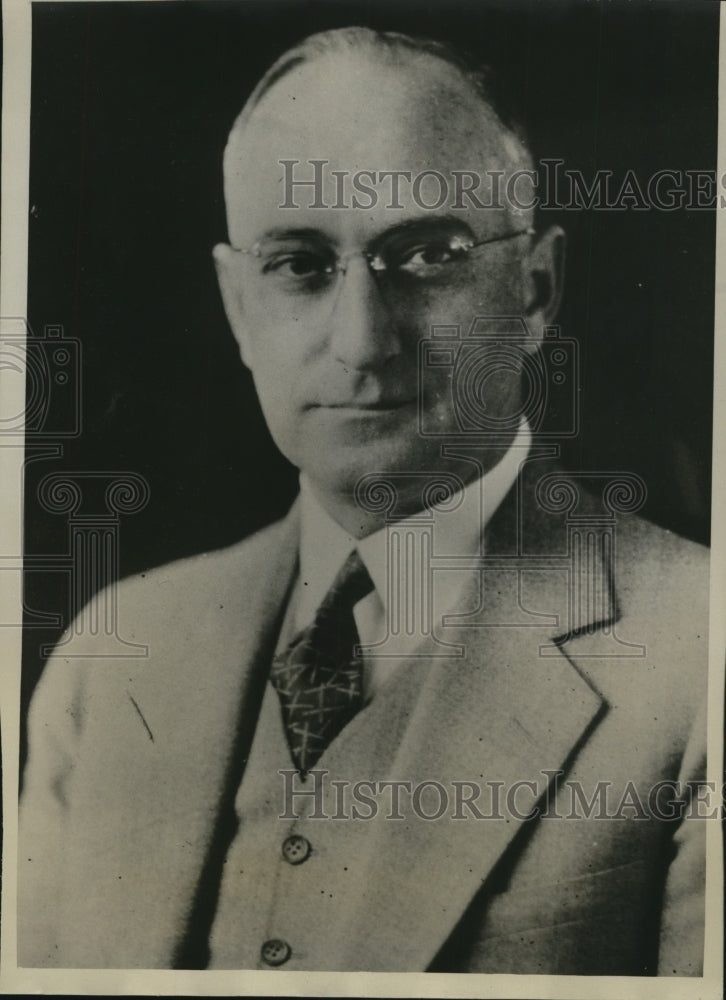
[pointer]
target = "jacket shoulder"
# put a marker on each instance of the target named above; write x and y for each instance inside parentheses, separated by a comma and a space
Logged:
(659, 571)
(206, 577)
(199, 593)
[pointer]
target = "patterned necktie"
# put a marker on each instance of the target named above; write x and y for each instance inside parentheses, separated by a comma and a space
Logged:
(318, 677)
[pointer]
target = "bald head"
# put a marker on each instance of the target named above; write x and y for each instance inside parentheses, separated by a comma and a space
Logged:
(379, 94)
(391, 48)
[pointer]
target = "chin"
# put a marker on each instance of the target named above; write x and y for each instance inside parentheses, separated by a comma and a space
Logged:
(338, 472)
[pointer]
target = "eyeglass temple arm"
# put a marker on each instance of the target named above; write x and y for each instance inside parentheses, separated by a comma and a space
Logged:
(529, 231)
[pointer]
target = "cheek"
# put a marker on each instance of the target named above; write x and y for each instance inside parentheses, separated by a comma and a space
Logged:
(276, 372)
(277, 356)
(501, 292)
(283, 416)
(480, 391)
(275, 381)
(498, 292)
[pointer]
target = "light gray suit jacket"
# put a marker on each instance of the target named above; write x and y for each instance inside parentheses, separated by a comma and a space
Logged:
(131, 763)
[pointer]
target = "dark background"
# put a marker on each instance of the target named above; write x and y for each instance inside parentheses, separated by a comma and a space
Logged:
(131, 104)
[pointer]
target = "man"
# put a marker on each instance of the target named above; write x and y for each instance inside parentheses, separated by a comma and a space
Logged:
(433, 622)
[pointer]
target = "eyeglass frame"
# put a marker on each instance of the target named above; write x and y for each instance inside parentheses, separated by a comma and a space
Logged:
(340, 264)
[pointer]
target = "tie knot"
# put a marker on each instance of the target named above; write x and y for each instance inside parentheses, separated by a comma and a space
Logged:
(351, 584)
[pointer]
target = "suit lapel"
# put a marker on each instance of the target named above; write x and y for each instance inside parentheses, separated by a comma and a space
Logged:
(501, 715)
(504, 713)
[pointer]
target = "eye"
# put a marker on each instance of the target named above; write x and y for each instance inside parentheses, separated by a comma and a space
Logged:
(299, 265)
(428, 258)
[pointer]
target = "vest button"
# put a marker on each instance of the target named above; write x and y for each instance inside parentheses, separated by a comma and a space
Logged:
(296, 849)
(275, 952)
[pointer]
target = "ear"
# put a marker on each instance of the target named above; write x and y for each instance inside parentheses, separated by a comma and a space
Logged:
(225, 264)
(543, 279)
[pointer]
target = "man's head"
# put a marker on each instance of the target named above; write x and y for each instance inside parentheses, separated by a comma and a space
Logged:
(329, 299)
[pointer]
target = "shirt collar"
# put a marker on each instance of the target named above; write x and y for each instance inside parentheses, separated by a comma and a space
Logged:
(325, 545)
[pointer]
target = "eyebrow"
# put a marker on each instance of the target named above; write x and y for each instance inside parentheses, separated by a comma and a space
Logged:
(293, 233)
(439, 224)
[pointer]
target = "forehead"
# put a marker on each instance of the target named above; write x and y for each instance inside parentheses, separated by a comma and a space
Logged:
(359, 113)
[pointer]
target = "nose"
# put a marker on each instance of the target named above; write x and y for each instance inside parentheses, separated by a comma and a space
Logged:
(363, 334)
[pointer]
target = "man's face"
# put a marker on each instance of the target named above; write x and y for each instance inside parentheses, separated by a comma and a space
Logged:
(334, 355)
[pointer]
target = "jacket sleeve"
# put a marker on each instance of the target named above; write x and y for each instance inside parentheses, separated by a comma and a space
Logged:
(684, 906)
(54, 734)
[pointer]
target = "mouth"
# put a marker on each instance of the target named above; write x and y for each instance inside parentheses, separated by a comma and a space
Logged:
(383, 405)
